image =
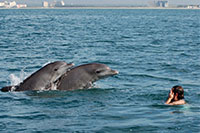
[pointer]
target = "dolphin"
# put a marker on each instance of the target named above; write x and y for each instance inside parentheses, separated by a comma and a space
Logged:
(43, 79)
(83, 76)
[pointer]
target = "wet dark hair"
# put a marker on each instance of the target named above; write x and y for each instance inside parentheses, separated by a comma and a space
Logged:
(179, 90)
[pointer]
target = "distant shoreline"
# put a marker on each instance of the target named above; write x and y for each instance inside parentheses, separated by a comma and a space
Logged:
(109, 7)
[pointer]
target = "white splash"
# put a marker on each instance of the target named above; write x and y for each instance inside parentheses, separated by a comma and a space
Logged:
(15, 80)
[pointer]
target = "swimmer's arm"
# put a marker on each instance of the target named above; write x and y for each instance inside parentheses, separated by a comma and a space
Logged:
(180, 102)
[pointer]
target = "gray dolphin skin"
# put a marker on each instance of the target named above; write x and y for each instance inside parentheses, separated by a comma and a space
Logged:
(42, 79)
(82, 77)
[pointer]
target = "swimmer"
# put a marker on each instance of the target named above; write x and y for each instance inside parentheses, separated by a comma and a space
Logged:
(176, 96)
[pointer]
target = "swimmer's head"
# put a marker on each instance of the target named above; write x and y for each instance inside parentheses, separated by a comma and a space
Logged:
(178, 92)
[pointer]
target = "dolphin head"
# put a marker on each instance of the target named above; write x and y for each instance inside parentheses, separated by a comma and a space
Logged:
(58, 68)
(101, 71)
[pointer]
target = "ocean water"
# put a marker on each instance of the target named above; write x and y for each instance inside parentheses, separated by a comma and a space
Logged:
(153, 50)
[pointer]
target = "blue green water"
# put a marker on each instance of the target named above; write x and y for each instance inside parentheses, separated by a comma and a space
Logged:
(152, 49)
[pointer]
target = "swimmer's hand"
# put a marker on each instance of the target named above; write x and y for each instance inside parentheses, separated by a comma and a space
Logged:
(170, 97)
(171, 94)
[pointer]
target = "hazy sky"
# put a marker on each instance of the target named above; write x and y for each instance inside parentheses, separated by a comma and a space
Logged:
(130, 1)
(109, 2)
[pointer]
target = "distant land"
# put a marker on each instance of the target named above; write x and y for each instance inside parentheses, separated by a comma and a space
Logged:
(110, 4)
